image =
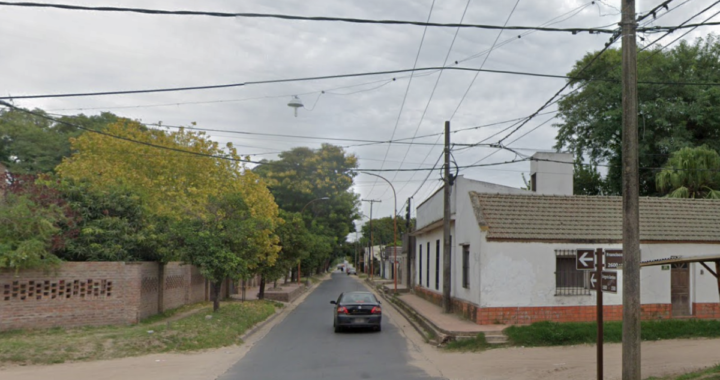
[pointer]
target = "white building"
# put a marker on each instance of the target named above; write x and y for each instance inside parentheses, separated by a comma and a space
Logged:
(514, 250)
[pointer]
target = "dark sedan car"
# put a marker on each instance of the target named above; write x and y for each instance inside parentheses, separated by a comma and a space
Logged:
(357, 310)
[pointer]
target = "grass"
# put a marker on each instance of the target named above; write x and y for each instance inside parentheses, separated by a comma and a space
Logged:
(475, 344)
(712, 373)
(190, 333)
(362, 275)
(558, 334)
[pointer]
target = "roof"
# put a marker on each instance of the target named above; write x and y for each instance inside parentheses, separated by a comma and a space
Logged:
(594, 218)
(680, 260)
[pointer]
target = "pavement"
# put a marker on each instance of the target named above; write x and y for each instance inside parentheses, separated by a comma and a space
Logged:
(300, 344)
(304, 345)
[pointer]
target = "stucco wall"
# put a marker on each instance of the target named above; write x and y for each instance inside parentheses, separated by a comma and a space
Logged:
(553, 178)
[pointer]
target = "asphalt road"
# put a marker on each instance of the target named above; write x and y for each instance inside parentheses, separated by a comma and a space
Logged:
(304, 346)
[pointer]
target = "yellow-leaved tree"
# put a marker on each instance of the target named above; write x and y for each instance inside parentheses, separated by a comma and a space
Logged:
(175, 184)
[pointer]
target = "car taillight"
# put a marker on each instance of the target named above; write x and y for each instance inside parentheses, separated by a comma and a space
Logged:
(376, 310)
(342, 310)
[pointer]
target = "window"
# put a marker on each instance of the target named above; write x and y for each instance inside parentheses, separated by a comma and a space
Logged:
(427, 270)
(466, 266)
(568, 280)
(437, 264)
(533, 182)
(420, 262)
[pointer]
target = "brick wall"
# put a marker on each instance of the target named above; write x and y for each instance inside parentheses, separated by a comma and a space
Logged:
(527, 315)
(95, 293)
(706, 310)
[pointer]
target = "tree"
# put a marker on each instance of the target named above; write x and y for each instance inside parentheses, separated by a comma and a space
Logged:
(302, 175)
(671, 116)
(587, 180)
(382, 230)
(30, 144)
(27, 232)
(224, 241)
(691, 173)
(295, 244)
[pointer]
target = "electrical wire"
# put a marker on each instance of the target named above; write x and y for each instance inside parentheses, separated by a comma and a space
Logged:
(293, 17)
(407, 90)
(432, 93)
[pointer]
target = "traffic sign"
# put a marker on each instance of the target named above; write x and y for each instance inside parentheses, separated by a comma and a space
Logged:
(609, 282)
(585, 259)
(613, 259)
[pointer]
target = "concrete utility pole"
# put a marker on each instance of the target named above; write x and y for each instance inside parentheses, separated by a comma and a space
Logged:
(631, 190)
(372, 243)
(394, 229)
(411, 247)
(446, 301)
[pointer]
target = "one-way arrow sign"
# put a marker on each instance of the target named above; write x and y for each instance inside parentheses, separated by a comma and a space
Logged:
(593, 282)
(585, 259)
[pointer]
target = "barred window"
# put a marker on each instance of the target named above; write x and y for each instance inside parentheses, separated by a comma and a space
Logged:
(568, 280)
(466, 266)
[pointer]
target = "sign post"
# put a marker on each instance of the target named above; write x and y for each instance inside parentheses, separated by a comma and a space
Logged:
(598, 273)
(601, 281)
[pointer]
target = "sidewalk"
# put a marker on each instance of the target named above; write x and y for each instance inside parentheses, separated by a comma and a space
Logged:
(451, 324)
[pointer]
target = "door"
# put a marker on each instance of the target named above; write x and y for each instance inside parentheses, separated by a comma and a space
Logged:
(680, 289)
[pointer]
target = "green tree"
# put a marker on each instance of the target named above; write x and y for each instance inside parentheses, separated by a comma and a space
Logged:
(670, 117)
(224, 241)
(30, 144)
(587, 180)
(302, 175)
(382, 229)
(27, 232)
(691, 173)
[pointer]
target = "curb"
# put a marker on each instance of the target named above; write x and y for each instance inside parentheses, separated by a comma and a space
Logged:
(269, 319)
(414, 319)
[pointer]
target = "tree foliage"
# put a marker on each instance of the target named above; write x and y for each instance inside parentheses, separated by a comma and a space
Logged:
(30, 144)
(382, 230)
(670, 117)
(691, 173)
(587, 180)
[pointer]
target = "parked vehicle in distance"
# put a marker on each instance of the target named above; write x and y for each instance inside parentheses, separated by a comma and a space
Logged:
(357, 310)
(351, 271)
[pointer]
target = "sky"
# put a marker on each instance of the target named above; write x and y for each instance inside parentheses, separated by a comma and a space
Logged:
(58, 51)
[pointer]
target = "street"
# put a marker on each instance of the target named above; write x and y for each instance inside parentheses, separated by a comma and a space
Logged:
(304, 346)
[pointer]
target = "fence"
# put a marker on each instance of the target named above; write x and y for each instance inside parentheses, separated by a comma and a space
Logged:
(97, 293)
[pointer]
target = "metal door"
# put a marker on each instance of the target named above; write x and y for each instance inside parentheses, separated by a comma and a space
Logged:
(680, 289)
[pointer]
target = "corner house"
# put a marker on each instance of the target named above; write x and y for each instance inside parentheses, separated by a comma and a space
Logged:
(514, 255)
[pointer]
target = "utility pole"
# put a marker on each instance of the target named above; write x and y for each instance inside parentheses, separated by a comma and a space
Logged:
(446, 301)
(411, 247)
(630, 194)
(372, 254)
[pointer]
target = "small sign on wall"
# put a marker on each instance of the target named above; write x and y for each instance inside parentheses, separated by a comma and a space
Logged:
(666, 267)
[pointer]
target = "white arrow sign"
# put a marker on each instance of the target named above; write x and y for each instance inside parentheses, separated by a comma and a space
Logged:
(585, 259)
(592, 281)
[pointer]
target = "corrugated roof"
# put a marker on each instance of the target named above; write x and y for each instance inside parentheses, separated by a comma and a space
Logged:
(594, 218)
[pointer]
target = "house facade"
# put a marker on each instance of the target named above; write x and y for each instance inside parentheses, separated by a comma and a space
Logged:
(514, 255)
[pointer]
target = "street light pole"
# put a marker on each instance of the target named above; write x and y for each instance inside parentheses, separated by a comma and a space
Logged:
(301, 211)
(394, 226)
(372, 254)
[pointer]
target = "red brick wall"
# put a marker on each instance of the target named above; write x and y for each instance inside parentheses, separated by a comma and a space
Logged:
(527, 315)
(706, 310)
(94, 293)
(76, 294)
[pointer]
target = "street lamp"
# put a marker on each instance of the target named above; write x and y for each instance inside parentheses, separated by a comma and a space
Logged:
(301, 211)
(394, 226)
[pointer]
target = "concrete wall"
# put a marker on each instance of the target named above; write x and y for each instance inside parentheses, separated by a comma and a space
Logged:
(94, 293)
(553, 178)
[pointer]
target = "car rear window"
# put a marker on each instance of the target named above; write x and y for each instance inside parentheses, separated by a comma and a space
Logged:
(358, 298)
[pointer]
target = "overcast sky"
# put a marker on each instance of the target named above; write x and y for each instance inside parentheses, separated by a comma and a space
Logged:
(56, 51)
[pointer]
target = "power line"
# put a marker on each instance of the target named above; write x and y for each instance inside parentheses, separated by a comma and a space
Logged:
(298, 18)
(432, 93)
(272, 81)
(402, 105)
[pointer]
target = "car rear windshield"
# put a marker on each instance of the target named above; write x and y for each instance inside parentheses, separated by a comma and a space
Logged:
(358, 298)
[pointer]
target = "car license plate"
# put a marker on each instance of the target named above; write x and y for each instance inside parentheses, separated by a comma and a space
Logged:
(359, 320)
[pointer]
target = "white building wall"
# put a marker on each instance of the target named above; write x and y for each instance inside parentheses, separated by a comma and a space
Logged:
(552, 178)
(523, 275)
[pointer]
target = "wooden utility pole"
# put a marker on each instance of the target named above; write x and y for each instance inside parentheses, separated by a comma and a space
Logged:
(447, 274)
(410, 248)
(630, 193)
(372, 243)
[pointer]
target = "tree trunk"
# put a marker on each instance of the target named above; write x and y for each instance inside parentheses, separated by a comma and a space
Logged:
(286, 279)
(216, 286)
(261, 293)
(275, 284)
